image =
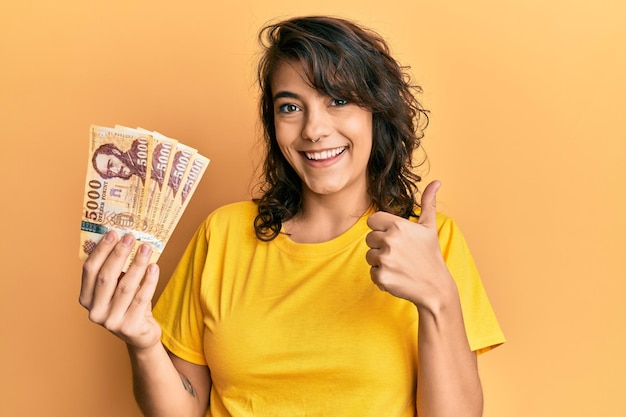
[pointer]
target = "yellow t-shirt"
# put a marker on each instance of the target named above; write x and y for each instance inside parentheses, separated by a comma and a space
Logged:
(290, 329)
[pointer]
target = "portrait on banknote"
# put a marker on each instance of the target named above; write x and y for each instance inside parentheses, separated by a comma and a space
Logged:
(111, 162)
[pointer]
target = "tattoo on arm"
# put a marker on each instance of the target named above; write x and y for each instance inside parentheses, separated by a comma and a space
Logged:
(187, 385)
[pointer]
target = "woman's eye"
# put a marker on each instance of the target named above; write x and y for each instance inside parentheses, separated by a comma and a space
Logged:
(337, 102)
(288, 108)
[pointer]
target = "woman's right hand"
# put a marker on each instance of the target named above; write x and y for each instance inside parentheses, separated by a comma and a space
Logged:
(121, 303)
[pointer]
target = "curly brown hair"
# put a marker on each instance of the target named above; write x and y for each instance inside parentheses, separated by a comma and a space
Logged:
(343, 60)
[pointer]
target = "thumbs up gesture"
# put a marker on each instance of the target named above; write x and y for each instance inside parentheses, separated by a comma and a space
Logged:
(405, 257)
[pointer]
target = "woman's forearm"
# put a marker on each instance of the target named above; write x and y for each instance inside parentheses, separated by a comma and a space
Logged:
(159, 388)
(448, 381)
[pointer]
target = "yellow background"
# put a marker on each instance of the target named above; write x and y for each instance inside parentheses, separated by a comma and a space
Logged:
(528, 136)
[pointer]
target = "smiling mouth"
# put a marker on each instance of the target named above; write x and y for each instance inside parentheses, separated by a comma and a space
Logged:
(320, 156)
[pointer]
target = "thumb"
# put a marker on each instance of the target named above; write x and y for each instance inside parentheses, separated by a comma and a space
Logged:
(428, 215)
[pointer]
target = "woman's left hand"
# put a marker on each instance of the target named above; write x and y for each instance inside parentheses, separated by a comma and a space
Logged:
(405, 257)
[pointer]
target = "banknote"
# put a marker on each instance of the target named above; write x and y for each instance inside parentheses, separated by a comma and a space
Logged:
(188, 186)
(132, 174)
(181, 165)
(164, 151)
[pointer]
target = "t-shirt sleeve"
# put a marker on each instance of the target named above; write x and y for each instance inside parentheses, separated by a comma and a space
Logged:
(481, 325)
(179, 309)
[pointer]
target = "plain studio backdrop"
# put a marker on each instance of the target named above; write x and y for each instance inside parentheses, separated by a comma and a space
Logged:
(527, 134)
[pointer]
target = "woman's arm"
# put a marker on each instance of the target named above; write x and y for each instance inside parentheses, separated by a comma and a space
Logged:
(122, 303)
(447, 380)
(407, 262)
(166, 385)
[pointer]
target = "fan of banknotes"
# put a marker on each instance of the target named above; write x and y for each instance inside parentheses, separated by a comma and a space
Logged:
(138, 182)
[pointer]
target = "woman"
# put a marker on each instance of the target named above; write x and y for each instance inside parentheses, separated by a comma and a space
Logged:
(332, 293)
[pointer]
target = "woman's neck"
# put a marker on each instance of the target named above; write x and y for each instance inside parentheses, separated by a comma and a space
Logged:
(323, 218)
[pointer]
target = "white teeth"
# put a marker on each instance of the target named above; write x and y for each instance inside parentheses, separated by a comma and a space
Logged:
(318, 156)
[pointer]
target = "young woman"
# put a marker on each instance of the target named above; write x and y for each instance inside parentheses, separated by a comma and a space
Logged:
(331, 294)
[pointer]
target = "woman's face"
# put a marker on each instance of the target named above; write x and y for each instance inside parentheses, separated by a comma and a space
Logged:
(337, 163)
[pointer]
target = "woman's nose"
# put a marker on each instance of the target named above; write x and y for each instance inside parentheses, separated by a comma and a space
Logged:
(317, 124)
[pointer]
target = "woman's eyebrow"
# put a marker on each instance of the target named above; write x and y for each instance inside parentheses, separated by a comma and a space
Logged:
(285, 94)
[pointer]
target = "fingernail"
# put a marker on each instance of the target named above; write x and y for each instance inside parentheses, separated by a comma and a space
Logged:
(128, 239)
(110, 236)
(145, 249)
